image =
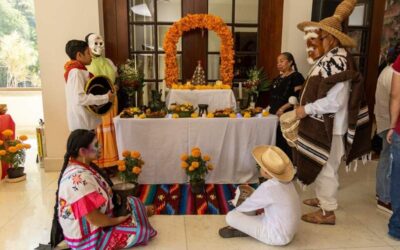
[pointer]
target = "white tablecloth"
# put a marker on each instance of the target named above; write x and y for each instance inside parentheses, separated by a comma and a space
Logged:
(228, 141)
(216, 99)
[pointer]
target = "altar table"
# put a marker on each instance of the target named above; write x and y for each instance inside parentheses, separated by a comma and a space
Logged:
(228, 141)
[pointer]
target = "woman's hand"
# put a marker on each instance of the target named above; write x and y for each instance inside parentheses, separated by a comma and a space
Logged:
(121, 219)
(300, 112)
(279, 112)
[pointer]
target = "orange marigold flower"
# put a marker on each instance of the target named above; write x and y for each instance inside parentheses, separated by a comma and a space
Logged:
(184, 164)
(196, 153)
(135, 154)
(206, 158)
(126, 153)
(12, 149)
(23, 137)
(27, 146)
(191, 169)
(184, 157)
(1, 142)
(121, 168)
(121, 162)
(3, 152)
(7, 133)
(136, 170)
(19, 146)
(195, 164)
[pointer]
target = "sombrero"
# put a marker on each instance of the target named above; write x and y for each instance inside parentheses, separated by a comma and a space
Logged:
(333, 24)
(99, 85)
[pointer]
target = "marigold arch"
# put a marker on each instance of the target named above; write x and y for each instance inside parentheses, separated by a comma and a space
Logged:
(202, 21)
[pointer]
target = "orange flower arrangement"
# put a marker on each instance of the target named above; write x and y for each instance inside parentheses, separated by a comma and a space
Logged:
(131, 166)
(202, 21)
(196, 167)
(13, 151)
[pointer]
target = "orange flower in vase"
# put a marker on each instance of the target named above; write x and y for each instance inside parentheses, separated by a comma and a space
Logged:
(12, 152)
(130, 167)
(196, 168)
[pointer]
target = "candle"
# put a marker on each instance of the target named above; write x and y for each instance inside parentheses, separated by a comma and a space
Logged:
(135, 62)
(240, 91)
(136, 99)
(145, 95)
(163, 92)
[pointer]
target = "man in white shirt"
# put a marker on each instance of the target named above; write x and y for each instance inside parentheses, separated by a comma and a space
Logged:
(324, 112)
(76, 77)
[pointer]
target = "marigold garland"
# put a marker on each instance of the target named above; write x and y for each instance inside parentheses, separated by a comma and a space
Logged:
(202, 21)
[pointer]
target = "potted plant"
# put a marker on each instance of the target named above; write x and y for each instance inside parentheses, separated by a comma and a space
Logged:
(129, 170)
(257, 82)
(196, 167)
(131, 80)
(12, 152)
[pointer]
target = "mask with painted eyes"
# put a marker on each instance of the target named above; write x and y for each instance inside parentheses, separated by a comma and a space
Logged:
(96, 44)
(315, 48)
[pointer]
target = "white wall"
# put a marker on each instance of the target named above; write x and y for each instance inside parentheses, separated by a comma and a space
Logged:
(294, 12)
(57, 22)
(25, 108)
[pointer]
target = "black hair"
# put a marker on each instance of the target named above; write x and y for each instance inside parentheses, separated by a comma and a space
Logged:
(290, 58)
(78, 139)
(87, 37)
(74, 46)
(393, 54)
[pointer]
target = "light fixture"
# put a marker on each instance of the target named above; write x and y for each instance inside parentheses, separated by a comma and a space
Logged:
(141, 9)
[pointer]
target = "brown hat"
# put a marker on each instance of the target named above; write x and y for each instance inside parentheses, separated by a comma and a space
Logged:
(274, 161)
(333, 24)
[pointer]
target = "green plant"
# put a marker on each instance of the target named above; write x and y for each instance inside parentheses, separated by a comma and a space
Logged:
(13, 151)
(257, 81)
(130, 78)
(130, 167)
(196, 165)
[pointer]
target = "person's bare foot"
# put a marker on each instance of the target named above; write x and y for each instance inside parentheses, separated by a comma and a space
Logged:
(150, 210)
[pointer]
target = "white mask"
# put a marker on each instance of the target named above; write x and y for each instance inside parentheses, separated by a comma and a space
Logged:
(96, 44)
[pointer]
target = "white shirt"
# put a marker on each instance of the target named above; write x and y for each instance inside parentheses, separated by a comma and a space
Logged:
(337, 98)
(77, 114)
(382, 99)
(281, 205)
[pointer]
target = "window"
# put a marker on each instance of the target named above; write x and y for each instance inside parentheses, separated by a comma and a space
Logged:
(244, 26)
(19, 66)
(148, 23)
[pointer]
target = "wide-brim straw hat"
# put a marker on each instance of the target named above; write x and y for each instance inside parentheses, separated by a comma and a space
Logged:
(289, 127)
(274, 161)
(333, 24)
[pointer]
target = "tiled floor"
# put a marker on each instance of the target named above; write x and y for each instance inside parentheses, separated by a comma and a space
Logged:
(26, 212)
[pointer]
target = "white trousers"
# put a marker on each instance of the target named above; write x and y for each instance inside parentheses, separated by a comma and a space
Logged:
(327, 182)
(254, 226)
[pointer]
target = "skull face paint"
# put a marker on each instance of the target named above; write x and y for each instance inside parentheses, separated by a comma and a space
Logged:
(96, 44)
(315, 48)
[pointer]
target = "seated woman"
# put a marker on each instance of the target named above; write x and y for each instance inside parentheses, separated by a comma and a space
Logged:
(287, 84)
(84, 203)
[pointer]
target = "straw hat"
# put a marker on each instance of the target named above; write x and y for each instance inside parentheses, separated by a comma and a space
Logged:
(274, 161)
(333, 24)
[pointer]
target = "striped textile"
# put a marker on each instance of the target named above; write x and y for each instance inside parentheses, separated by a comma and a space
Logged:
(178, 199)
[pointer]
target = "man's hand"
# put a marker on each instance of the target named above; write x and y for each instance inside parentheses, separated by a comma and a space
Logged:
(110, 96)
(300, 112)
(389, 136)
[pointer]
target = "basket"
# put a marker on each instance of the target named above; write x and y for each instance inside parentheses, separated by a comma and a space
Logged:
(289, 127)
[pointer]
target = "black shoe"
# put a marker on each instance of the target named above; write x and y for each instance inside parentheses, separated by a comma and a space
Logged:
(230, 232)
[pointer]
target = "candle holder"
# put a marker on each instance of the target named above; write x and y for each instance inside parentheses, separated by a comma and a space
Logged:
(203, 109)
